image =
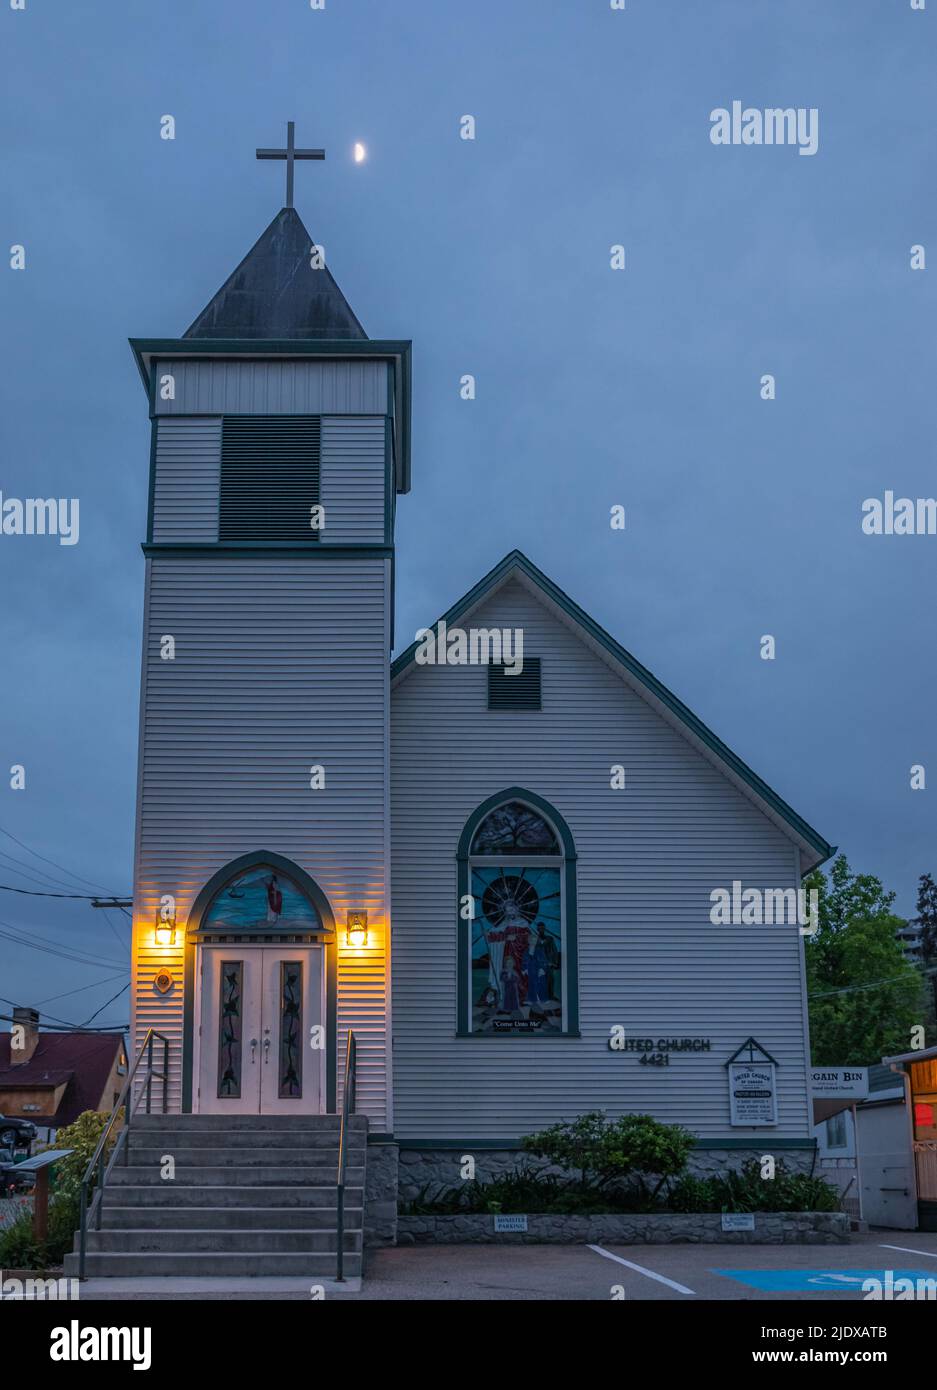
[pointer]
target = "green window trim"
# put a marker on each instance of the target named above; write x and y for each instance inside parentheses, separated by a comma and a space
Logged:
(571, 964)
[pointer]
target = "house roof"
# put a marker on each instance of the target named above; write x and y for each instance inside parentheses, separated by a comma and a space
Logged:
(83, 1060)
(925, 1054)
(814, 848)
(276, 294)
(23, 1078)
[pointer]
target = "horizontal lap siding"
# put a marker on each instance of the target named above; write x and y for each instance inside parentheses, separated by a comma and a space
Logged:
(280, 664)
(649, 856)
(274, 388)
(188, 467)
(353, 479)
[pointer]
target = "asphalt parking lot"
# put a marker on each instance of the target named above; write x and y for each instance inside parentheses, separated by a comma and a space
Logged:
(684, 1273)
(648, 1272)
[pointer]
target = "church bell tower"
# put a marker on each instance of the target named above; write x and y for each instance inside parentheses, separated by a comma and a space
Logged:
(280, 440)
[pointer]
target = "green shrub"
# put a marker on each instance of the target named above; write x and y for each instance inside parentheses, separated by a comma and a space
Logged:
(19, 1248)
(614, 1162)
(523, 1190)
(82, 1136)
(606, 1152)
(689, 1194)
(749, 1191)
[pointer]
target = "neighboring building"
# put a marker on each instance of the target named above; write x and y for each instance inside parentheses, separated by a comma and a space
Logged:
(909, 939)
(919, 1131)
(866, 1179)
(501, 883)
(54, 1077)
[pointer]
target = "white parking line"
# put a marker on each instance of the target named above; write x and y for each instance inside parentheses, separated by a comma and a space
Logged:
(906, 1250)
(671, 1283)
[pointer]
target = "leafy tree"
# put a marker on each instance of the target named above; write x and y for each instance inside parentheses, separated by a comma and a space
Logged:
(864, 996)
(926, 917)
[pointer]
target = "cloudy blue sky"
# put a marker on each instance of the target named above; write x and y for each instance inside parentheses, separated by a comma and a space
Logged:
(594, 387)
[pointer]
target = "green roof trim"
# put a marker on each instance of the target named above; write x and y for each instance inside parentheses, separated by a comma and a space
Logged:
(517, 560)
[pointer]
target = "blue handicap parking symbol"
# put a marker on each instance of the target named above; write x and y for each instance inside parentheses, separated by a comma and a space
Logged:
(818, 1280)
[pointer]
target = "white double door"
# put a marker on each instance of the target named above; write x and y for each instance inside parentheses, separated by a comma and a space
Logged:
(259, 1007)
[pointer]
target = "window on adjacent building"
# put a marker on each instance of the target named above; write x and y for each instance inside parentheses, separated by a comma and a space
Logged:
(269, 478)
(517, 876)
(836, 1137)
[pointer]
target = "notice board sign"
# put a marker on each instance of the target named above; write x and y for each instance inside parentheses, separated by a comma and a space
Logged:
(510, 1223)
(839, 1083)
(753, 1093)
(738, 1220)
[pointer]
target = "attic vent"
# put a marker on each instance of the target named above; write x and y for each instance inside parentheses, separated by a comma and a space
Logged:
(269, 477)
(515, 692)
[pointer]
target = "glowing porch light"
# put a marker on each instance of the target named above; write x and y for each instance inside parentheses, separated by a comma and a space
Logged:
(165, 932)
(356, 929)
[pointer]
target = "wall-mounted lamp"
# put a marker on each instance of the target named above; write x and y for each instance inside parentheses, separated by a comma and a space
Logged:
(165, 930)
(356, 930)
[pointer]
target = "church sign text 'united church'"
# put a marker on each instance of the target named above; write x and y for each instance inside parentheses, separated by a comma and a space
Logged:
(658, 1052)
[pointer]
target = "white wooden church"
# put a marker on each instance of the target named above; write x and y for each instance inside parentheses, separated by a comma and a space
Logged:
(438, 858)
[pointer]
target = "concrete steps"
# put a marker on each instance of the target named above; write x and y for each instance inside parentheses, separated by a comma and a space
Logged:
(223, 1157)
(267, 1124)
(224, 1194)
(198, 1175)
(305, 1218)
(251, 1195)
(170, 1139)
(217, 1242)
(202, 1266)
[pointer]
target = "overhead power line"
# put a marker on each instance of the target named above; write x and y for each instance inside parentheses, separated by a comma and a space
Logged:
(55, 948)
(104, 1006)
(95, 984)
(66, 1027)
(874, 984)
(34, 893)
(122, 939)
(46, 860)
(28, 871)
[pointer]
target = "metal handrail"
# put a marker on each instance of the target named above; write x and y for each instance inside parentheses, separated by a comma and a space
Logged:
(348, 1108)
(97, 1202)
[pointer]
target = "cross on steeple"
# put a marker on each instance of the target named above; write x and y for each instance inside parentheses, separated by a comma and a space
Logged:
(290, 154)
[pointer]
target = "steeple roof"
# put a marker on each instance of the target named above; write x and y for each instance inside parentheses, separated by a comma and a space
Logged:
(275, 293)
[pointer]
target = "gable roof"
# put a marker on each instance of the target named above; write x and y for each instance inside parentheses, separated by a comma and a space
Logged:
(275, 293)
(813, 847)
(83, 1060)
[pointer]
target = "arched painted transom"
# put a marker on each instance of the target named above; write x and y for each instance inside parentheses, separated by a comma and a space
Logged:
(260, 898)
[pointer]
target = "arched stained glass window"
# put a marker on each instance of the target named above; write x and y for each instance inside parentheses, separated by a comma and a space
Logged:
(515, 829)
(261, 898)
(518, 877)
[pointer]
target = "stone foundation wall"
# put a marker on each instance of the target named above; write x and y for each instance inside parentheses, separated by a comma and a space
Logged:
(381, 1182)
(434, 1169)
(781, 1228)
